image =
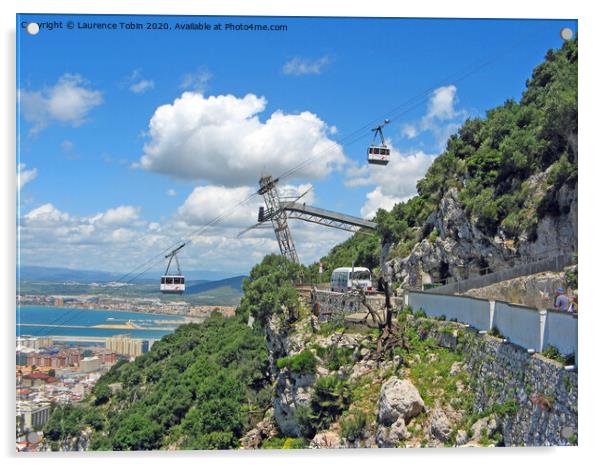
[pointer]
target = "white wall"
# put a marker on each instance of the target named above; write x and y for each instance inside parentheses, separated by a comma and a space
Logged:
(472, 311)
(525, 326)
(520, 324)
(560, 330)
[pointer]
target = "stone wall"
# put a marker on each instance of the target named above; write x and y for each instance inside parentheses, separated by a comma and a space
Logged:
(328, 304)
(545, 393)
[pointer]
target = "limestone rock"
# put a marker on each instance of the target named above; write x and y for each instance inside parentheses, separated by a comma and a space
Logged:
(326, 439)
(460, 249)
(362, 368)
(455, 368)
(398, 399)
(440, 426)
(262, 431)
(484, 427)
(389, 437)
(461, 438)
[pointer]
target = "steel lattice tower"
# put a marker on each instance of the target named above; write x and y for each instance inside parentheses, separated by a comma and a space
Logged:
(267, 188)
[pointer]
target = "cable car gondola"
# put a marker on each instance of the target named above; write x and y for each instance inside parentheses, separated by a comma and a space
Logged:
(379, 154)
(173, 283)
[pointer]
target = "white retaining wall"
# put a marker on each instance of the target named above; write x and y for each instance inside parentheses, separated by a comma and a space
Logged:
(525, 326)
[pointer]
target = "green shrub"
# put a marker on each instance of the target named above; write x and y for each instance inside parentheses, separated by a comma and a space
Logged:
(305, 362)
(335, 357)
(330, 398)
(553, 353)
(353, 424)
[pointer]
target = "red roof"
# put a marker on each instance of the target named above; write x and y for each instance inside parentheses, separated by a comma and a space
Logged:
(37, 375)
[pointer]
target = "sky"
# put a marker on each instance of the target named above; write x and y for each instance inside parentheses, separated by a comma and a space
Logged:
(131, 140)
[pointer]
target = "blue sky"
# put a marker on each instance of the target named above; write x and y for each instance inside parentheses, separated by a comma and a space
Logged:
(117, 162)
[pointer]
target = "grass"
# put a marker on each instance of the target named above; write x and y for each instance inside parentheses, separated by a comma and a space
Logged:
(285, 443)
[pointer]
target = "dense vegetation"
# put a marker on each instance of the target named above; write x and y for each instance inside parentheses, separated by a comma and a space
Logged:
(199, 388)
(490, 160)
(269, 290)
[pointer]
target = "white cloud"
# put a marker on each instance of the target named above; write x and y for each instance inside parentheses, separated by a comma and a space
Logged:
(208, 202)
(67, 146)
(377, 200)
(172, 192)
(394, 183)
(25, 176)
(119, 240)
(118, 216)
(137, 84)
(220, 139)
(409, 131)
(196, 81)
(142, 86)
(441, 104)
(69, 101)
(301, 66)
(46, 215)
(441, 119)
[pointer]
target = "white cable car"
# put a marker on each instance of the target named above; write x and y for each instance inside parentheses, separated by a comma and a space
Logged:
(379, 154)
(173, 283)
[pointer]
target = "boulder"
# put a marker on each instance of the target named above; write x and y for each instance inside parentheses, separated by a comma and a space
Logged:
(440, 426)
(326, 440)
(389, 437)
(399, 399)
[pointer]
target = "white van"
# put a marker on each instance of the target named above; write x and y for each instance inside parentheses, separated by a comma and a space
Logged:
(342, 279)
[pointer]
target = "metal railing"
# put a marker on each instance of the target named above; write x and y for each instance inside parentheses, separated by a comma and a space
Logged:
(549, 264)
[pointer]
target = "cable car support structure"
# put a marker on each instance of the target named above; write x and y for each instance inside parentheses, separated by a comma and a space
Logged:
(278, 211)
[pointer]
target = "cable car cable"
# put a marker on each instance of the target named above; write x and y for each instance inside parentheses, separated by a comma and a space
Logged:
(478, 65)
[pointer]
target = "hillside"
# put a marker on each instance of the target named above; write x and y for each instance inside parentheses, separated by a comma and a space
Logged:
(295, 382)
(199, 388)
(504, 189)
(235, 283)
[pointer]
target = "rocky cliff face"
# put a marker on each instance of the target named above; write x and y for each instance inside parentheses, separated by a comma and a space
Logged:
(459, 249)
(454, 387)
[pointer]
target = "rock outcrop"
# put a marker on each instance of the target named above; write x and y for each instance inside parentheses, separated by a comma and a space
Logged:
(532, 290)
(460, 249)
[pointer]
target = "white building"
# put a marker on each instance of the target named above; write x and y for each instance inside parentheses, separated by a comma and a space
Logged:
(32, 415)
(90, 364)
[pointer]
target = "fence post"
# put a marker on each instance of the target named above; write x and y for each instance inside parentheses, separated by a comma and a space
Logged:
(406, 299)
(543, 315)
(491, 314)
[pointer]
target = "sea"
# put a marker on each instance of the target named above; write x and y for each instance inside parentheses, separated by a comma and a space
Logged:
(61, 318)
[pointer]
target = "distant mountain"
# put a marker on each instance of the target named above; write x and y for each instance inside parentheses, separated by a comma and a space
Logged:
(60, 274)
(233, 282)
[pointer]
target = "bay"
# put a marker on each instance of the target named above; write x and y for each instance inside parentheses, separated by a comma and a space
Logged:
(61, 318)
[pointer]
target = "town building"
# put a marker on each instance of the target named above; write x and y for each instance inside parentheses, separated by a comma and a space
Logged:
(90, 364)
(126, 345)
(32, 416)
